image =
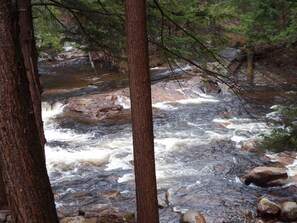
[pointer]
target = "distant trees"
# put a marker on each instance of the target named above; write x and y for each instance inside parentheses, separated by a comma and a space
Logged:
(22, 158)
(257, 22)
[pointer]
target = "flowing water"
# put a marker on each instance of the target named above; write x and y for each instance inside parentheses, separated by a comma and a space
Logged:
(197, 147)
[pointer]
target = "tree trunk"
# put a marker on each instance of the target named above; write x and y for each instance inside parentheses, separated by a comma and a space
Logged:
(30, 59)
(250, 64)
(3, 198)
(141, 109)
(21, 156)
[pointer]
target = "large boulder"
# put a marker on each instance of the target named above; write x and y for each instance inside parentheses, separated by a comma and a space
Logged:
(266, 177)
(98, 106)
(289, 211)
(268, 208)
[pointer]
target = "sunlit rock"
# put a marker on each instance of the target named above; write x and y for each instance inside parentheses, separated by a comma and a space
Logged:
(193, 217)
(268, 208)
(266, 176)
(289, 211)
(249, 146)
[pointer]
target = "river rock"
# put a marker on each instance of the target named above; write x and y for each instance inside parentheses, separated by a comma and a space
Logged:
(91, 220)
(111, 195)
(77, 219)
(285, 158)
(268, 208)
(266, 176)
(117, 218)
(99, 106)
(249, 146)
(289, 211)
(192, 217)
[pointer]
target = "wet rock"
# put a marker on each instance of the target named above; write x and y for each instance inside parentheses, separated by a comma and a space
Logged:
(96, 210)
(285, 158)
(266, 176)
(193, 217)
(117, 218)
(249, 146)
(77, 219)
(91, 220)
(289, 211)
(268, 208)
(98, 106)
(163, 198)
(111, 195)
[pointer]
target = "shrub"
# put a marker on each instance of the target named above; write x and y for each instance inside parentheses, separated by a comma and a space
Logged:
(283, 136)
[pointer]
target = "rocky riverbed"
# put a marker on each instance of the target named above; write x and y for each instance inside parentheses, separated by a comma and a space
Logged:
(207, 160)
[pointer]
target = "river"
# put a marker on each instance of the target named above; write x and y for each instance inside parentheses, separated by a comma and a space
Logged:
(198, 141)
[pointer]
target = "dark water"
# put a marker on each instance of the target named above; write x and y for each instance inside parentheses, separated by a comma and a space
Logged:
(197, 146)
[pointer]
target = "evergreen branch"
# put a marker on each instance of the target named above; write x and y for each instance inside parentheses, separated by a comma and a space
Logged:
(75, 9)
(189, 34)
(54, 16)
(166, 53)
(102, 47)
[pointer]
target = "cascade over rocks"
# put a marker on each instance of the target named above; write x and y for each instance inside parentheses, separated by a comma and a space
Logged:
(266, 176)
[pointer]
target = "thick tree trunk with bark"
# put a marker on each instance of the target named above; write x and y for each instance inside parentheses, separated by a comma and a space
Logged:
(3, 199)
(141, 109)
(30, 59)
(21, 156)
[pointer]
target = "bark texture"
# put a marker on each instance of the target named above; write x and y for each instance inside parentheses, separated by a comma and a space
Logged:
(21, 156)
(3, 199)
(141, 109)
(30, 60)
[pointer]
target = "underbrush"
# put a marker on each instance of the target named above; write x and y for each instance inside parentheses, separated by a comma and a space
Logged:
(283, 136)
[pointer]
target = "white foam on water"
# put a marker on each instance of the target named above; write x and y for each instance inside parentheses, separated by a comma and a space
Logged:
(167, 106)
(118, 161)
(126, 177)
(62, 160)
(51, 110)
(198, 100)
(123, 101)
(292, 168)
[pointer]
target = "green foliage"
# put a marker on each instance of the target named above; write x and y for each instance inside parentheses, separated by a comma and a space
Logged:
(258, 22)
(96, 26)
(188, 28)
(284, 134)
(48, 31)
